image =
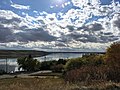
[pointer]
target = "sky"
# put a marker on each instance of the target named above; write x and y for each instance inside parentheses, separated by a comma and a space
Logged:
(59, 25)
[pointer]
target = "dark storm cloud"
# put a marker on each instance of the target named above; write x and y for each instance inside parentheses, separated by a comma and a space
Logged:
(117, 22)
(34, 35)
(60, 44)
(93, 27)
(90, 33)
(108, 38)
(9, 21)
(71, 28)
(83, 37)
(12, 23)
(5, 34)
(107, 33)
(91, 37)
(96, 27)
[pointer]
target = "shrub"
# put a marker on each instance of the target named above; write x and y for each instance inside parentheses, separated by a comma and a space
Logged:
(113, 55)
(87, 68)
(96, 67)
(113, 74)
(61, 61)
(113, 61)
(2, 72)
(28, 63)
(47, 65)
(86, 73)
(57, 68)
(94, 59)
(74, 64)
(93, 73)
(86, 60)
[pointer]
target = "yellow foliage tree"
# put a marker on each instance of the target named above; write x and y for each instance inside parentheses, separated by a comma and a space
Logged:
(113, 54)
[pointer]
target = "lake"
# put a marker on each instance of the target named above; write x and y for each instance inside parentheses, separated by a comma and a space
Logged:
(13, 66)
(57, 56)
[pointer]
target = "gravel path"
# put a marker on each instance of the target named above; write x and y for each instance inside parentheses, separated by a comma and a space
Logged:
(25, 75)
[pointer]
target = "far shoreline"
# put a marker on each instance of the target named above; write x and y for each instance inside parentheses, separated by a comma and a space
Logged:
(35, 53)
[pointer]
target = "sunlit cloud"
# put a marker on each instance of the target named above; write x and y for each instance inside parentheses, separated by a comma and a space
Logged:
(86, 25)
(17, 6)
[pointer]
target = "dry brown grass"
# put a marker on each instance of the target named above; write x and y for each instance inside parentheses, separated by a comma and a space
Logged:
(86, 73)
(32, 84)
(54, 84)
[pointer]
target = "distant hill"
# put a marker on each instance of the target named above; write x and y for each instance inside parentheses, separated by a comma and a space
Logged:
(21, 53)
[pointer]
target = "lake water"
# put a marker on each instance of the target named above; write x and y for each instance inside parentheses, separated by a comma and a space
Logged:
(13, 66)
(57, 56)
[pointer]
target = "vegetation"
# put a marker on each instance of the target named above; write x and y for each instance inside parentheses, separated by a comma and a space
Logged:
(86, 60)
(113, 62)
(32, 84)
(89, 72)
(74, 64)
(2, 72)
(113, 55)
(28, 63)
(86, 68)
(55, 66)
(95, 67)
(46, 65)
(21, 53)
(53, 84)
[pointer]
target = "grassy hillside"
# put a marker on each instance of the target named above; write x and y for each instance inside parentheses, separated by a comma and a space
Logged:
(21, 53)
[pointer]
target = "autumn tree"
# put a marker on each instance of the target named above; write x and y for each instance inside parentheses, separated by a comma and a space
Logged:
(113, 54)
(28, 63)
(113, 62)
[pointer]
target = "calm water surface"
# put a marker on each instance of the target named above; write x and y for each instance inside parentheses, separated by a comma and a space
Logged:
(57, 56)
(13, 66)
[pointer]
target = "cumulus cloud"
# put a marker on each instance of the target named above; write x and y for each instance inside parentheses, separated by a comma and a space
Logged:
(34, 35)
(8, 14)
(116, 21)
(5, 34)
(17, 6)
(88, 25)
(13, 29)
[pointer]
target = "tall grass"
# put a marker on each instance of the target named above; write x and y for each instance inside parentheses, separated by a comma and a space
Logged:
(32, 84)
(86, 73)
(93, 73)
(53, 84)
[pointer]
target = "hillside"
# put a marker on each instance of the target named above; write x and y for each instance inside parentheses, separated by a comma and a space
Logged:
(21, 53)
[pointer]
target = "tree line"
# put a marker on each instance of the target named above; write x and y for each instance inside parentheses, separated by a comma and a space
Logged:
(85, 68)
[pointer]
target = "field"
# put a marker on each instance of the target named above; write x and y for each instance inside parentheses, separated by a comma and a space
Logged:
(32, 84)
(53, 84)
